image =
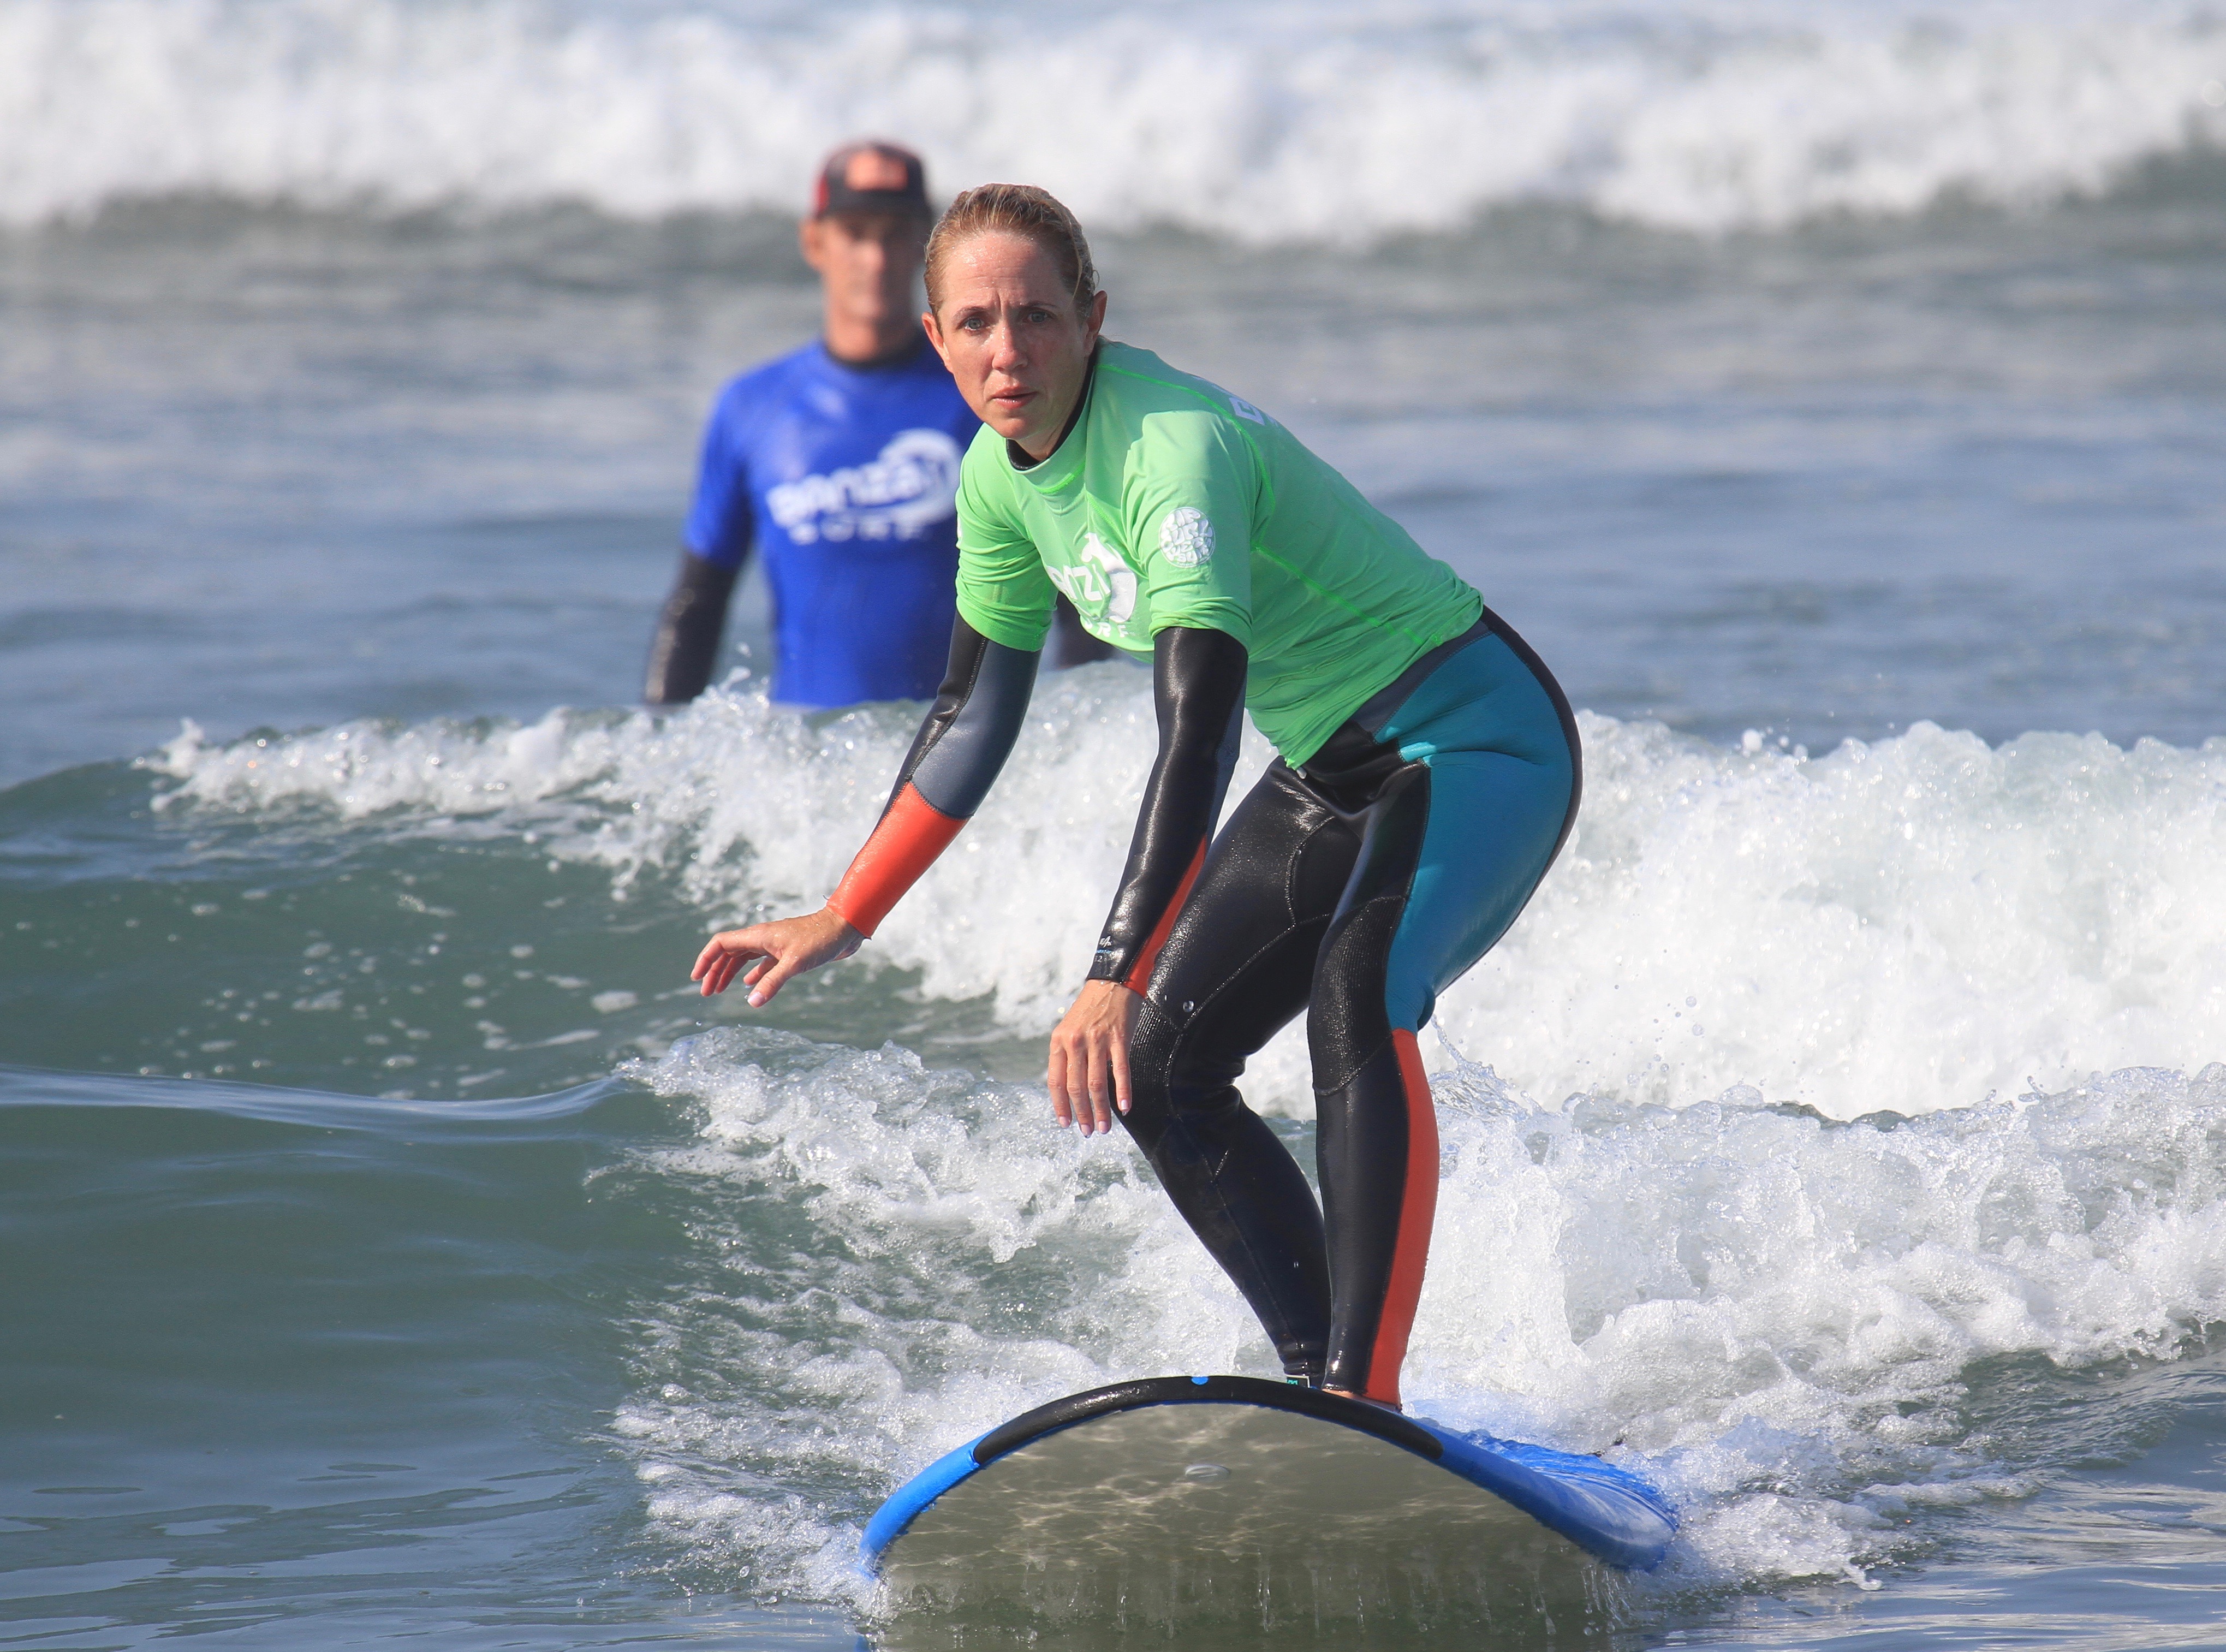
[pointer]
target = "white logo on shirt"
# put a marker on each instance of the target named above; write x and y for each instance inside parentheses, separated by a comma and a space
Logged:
(1101, 586)
(1246, 409)
(913, 485)
(1185, 537)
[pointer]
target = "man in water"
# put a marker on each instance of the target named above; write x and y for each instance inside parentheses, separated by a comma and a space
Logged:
(839, 462)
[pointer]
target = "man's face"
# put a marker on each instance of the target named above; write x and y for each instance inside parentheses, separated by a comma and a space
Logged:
(868, 262)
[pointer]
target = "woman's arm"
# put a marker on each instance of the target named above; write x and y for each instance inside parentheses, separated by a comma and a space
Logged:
(954, 759)
(961, 746)
(1197, 682)
(1198, 685)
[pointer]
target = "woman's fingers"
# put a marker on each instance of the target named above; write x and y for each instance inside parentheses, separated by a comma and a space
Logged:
(722, 956)
(1088, 1072)
(764, 975)
(1056, 1079)
(721, 971)
(773, 953)
(1075, 1069)
(1101, 1073)
(1090, 1087)
(1109, 1063)
(774, 975)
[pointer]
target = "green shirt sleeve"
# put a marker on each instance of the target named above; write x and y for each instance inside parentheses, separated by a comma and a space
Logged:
(1003, 592)
(1191, 495)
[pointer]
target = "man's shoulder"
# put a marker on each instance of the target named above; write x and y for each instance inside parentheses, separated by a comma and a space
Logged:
(770, 380)
(809, 380)
(927, 387)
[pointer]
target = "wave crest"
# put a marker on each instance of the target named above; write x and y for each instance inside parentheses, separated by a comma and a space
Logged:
(1265, 123)
(1905, 925)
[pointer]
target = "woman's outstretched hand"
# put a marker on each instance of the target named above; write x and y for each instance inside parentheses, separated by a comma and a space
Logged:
(775, 952)
(1090, 1057)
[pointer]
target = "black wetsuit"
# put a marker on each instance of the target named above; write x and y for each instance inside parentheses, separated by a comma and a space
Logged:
(1353, 888)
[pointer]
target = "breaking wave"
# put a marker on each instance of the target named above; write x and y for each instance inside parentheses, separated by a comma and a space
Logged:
(1915, 923)
(1266, 121)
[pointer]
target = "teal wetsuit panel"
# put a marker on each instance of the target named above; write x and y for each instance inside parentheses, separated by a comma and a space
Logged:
(1500, 778)
(1353, 890)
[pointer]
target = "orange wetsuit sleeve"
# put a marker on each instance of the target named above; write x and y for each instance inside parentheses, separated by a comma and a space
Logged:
(911, 834)
(961, 746)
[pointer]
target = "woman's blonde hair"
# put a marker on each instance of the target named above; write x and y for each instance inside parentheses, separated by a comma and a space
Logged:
(1015, 209)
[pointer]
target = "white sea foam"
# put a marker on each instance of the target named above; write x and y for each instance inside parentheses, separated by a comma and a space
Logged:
(922, 1188)
(1268, 121)
(1910, 925)
(1775, 1315)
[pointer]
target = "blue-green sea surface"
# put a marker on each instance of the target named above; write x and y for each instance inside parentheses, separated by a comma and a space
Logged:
(396, 1251)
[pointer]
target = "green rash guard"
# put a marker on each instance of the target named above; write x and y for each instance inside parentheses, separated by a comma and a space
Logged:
(1172, 502)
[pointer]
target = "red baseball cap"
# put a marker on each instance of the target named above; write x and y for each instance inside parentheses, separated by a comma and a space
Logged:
(871, 177)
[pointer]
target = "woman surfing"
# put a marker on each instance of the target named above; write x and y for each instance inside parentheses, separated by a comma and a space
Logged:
(1427, 772)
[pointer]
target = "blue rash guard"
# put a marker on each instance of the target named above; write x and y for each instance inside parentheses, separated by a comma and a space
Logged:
(844, 478)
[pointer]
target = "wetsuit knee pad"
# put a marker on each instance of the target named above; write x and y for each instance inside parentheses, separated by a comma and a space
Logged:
(1350, 1018)
(1154, 1046)
(1347, 1022)
(1170, 1073)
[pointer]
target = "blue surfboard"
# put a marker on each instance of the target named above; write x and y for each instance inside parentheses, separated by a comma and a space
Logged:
(1170, 1496)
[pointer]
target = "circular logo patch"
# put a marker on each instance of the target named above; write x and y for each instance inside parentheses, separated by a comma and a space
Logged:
(1186, 538)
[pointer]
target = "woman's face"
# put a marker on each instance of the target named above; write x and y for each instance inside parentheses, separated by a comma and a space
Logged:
(1014, 338)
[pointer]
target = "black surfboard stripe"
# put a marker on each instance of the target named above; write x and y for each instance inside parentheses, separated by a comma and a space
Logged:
(1387, 1425)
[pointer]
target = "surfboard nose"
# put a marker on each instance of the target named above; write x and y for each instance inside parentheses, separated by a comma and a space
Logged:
(1180, 1498)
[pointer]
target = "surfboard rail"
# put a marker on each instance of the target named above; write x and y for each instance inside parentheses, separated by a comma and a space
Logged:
(1608, 1511)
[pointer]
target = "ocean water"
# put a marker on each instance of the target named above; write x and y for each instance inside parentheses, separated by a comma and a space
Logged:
(394, 1248)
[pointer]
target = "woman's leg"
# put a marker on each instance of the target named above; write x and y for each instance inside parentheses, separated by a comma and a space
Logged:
(1237, 965)
(1455, 843)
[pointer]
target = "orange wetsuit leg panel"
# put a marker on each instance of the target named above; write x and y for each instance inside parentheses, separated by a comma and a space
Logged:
(1456, 839)
(1356, 888)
